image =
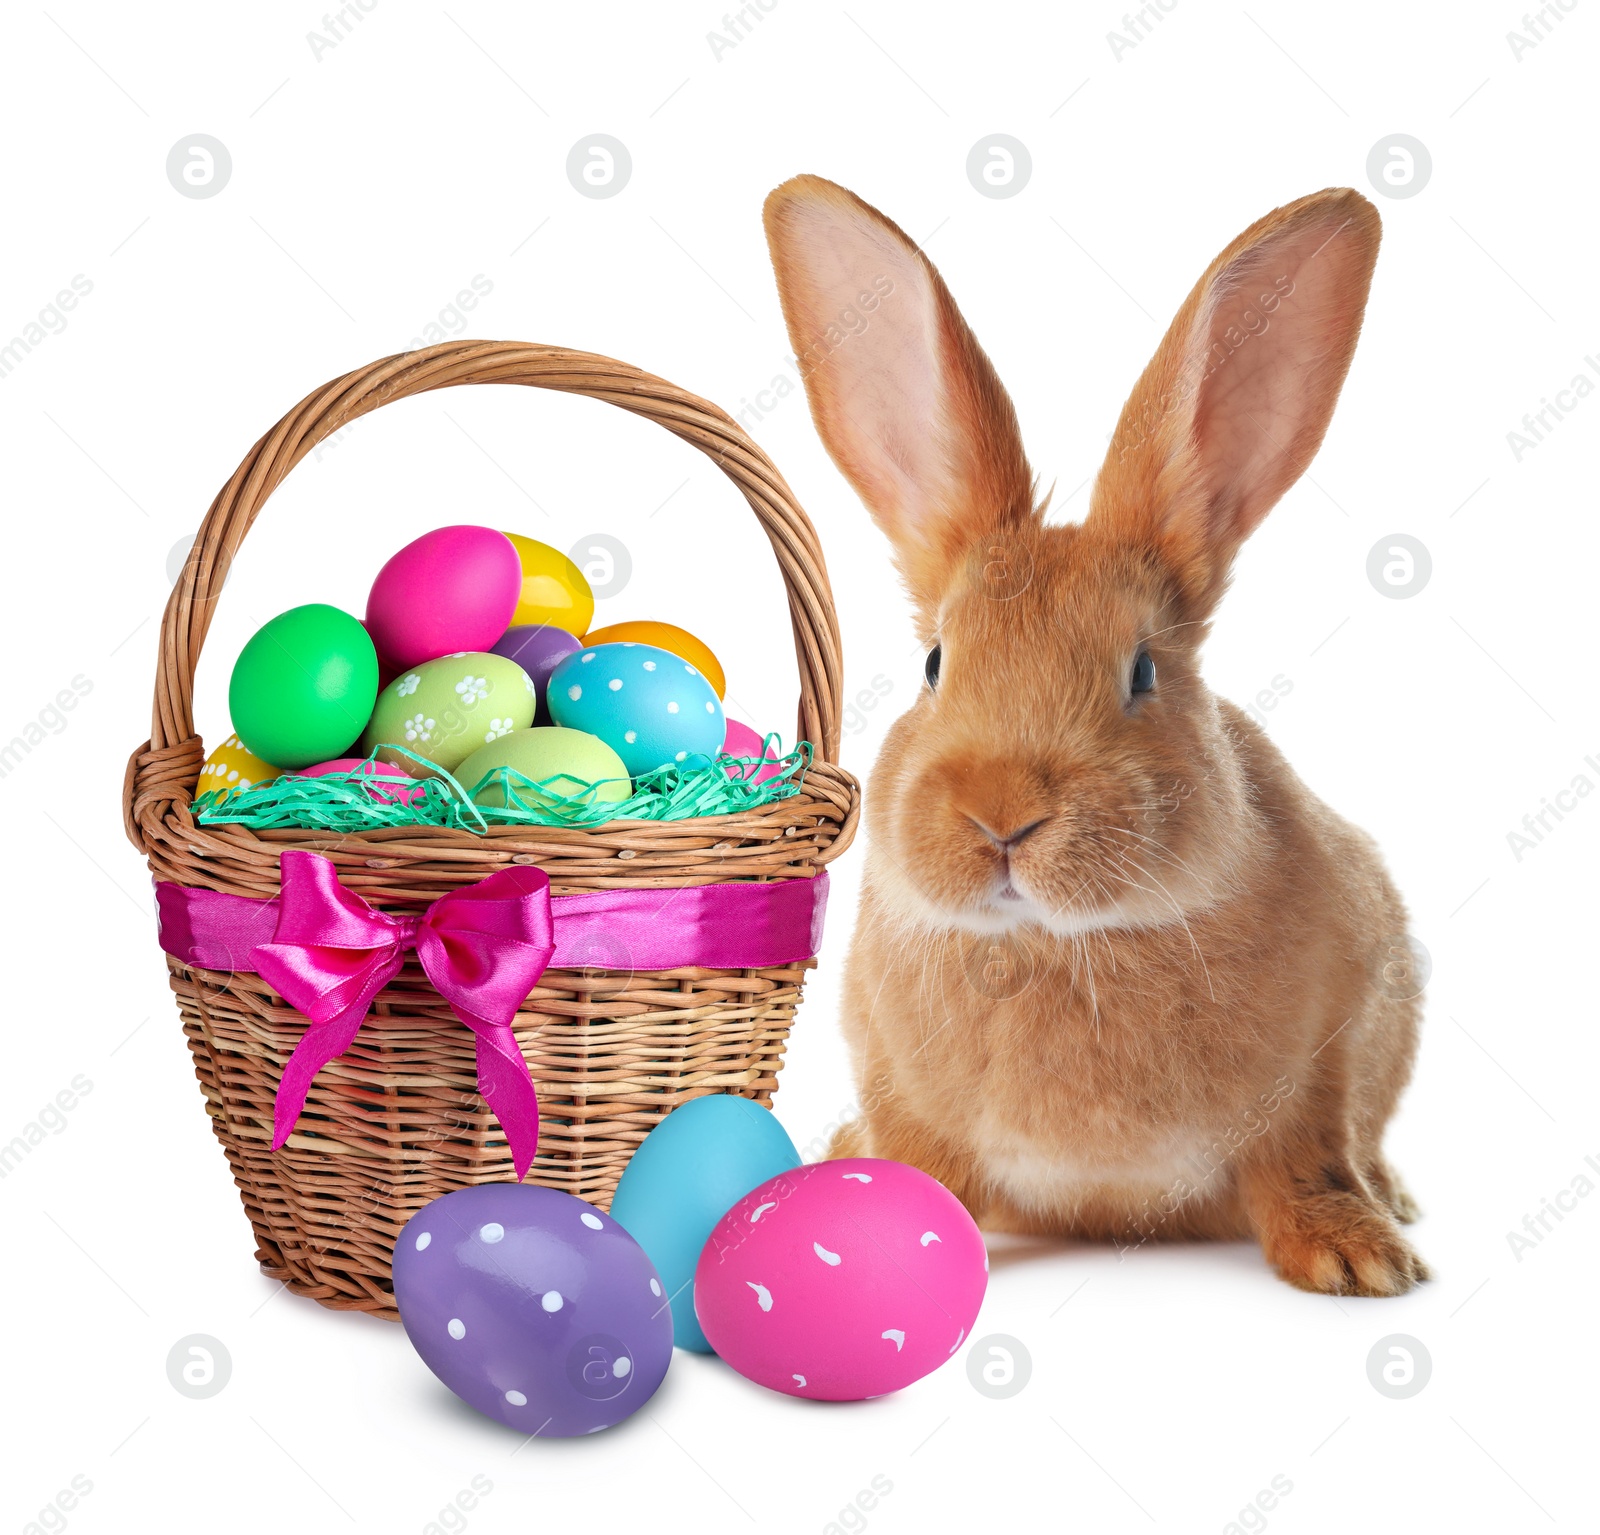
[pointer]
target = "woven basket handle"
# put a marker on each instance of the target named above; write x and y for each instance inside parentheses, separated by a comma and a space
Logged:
(794, 540)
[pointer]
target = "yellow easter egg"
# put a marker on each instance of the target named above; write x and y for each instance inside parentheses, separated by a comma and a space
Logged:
(232, 767)
(553, 588)
(668, 637)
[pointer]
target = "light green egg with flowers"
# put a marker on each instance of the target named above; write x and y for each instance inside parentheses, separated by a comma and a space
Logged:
(571, 764)
(444, 710)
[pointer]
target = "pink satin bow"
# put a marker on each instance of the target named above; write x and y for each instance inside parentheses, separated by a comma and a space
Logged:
(483, 948)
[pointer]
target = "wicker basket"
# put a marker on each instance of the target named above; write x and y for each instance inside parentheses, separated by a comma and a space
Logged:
(397, 1120)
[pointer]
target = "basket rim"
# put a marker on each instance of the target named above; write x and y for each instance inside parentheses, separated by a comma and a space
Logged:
(397, 845)
(783, 839)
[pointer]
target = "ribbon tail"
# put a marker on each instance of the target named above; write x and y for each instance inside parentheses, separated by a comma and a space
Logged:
(507, 1087)
(320, 1043)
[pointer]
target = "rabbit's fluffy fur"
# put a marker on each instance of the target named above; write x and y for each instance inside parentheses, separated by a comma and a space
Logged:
(1117, 972)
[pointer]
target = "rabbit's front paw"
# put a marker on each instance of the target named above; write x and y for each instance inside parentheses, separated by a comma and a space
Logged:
(1340, 1243)
(1385, 1183)
(1327, 1228)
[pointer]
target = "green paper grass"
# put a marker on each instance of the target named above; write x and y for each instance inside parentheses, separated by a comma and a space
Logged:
(340, 802)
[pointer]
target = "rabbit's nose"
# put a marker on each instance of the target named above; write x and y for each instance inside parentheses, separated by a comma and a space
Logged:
(1006, 840)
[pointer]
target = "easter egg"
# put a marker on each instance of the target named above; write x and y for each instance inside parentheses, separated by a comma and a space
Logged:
(533, 1307)
(452, 589)
(536, 648)
(386, 784)
(570, 757)
(445, 709)
(649, 706)
(704, 1156)
(742, 741)
(841, 1280)
(232, 767)
(665, 637)
(303, 686)
(553, 589)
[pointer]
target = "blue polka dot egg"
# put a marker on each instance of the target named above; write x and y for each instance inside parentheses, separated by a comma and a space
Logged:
(652, 708)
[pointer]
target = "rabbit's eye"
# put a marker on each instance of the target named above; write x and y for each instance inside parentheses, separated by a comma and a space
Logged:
(1144, 673)
(930, 667)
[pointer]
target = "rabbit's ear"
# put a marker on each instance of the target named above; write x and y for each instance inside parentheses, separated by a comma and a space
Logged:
(1237, 397)
(902, 395)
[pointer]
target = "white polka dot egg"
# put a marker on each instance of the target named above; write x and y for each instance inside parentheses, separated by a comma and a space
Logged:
(652, 708)
(533, 1307)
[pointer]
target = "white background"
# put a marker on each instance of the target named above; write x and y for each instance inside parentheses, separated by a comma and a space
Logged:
(371, 184)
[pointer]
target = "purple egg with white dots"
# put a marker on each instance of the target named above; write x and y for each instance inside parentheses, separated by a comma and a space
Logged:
(533, 1307)
(652, 708)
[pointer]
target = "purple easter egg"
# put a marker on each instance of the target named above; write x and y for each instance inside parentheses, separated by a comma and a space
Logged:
(533, 1307)
(536, 648)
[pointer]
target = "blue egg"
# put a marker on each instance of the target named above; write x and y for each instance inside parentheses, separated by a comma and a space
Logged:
(699, 1162)
(652, 708)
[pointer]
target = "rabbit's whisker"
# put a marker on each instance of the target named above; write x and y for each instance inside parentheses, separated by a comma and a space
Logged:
(1177, 911)
(1162, 851)
(1186, 624)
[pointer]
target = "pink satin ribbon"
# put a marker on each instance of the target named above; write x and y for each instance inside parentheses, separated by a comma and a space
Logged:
(328, 953)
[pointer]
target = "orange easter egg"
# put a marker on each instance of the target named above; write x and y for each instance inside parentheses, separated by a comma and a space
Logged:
(668, 637)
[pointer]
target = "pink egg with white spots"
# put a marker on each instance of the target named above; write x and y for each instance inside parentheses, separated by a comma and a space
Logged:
(842, 1280)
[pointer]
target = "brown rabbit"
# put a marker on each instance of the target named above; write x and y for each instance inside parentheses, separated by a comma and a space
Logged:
(1117, 972)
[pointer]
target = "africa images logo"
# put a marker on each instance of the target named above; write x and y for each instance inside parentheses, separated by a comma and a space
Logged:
(50, 321)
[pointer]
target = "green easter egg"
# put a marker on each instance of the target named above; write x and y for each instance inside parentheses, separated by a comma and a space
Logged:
(446, 709)
(574, 757)
(303, 686)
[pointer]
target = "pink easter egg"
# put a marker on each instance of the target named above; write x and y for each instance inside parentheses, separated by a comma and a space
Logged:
(389, 786)
(841, 1280)
(742, 741)
(451, 590)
